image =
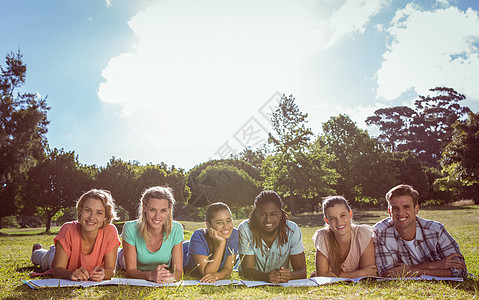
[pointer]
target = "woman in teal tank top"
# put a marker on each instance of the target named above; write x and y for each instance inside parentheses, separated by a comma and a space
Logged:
(152, 244)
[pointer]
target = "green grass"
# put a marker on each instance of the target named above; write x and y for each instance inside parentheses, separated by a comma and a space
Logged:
(462, 223)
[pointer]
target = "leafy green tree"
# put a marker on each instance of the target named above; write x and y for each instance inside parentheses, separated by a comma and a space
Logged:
(424, 130)
(289, 124)
(55, 183)
(462, 150)
(298, 171)
(363, 163)
(201, 187)
(120, 178)
(460, 160)
(411, 171)
(176, 179)
(394, 124)
(232, 186)
(153, 175)
(289, 138)
(306, 177)
(433, 125)
(127, 180)
(255, 157)
(23, 125)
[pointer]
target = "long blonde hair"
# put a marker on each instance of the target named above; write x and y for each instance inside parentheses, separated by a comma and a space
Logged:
(335, 261)
(155, 192)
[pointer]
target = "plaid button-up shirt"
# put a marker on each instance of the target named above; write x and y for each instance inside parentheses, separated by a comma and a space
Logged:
(432, 243)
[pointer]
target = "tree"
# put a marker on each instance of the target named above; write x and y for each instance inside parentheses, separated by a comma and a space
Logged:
(176, 179)
(305, 178)
(363, 163)
(201, 187)
(433, 124)
(55, 183)
(411, 171)
(153, 175)
(424, 130)
(460, 160)
(120, 178)
(23, 125)
(298, 171)
(255, 157)
(230, 185)
(289, 124)
(394, 124)
(462, 150)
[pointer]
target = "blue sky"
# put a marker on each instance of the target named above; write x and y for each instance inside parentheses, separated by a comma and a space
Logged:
(183, 81)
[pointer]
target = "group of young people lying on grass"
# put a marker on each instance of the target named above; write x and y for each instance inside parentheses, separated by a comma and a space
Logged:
(269, 245)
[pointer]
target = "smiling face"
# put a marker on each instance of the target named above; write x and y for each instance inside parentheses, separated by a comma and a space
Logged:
(92, 215)
(339, 219)
(268, 215)
(403, 213)
(156, 212)
(222, 222)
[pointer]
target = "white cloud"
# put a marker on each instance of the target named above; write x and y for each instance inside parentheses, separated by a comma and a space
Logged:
(201, 69)
(430, 49)
(443, 2)
(352, 17)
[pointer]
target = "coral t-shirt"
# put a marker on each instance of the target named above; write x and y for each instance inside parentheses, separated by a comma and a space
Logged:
(70, 239)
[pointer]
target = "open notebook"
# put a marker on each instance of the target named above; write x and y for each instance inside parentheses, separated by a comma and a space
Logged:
(314, 281)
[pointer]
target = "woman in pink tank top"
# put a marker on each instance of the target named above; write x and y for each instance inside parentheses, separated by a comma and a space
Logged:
(343, 249)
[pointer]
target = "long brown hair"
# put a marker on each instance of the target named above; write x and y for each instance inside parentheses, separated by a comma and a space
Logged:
(335, 260)
(262, 198)
(211, 211)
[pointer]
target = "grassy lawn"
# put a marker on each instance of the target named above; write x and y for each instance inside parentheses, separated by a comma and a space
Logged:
(462, 223)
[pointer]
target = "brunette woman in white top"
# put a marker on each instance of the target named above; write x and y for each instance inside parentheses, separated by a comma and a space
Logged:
(343, 249)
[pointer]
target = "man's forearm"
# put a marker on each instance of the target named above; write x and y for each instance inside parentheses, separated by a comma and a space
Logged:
(424, 270)
(254, 274)
(298, 274)
(416, 270)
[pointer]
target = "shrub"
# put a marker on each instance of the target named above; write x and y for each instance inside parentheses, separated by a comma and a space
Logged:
(10, 222)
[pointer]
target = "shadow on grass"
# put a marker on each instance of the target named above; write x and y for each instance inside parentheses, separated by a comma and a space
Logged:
(447, 207)
(45, 293)
(25, 233)
(468, 285)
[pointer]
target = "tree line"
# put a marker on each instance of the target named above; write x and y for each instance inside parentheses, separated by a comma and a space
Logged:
(431, 146)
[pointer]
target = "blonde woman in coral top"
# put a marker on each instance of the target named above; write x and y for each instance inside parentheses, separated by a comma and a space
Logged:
(343, 249)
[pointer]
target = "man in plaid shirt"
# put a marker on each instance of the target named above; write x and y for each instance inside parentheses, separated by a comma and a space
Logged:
(407, 245)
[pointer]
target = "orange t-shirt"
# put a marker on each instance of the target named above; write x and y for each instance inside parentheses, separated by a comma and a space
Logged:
(70, 239)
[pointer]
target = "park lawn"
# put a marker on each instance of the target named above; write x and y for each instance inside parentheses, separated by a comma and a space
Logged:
(462, 223)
